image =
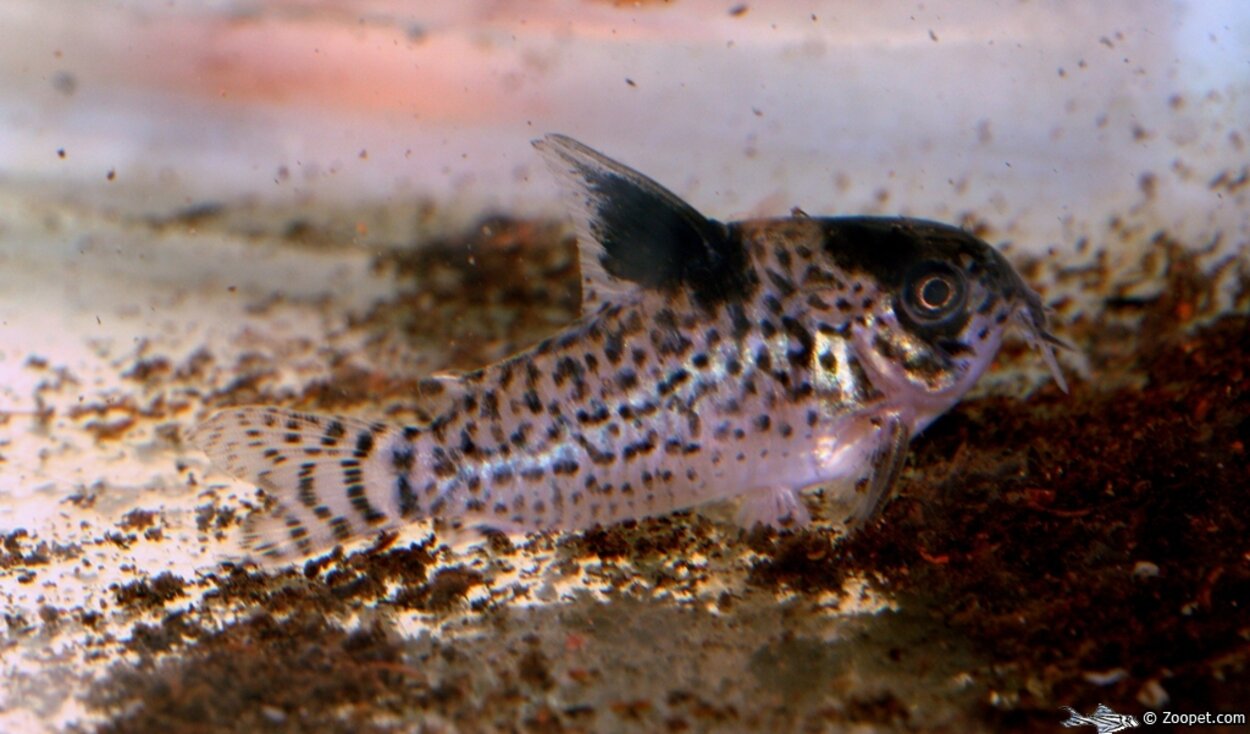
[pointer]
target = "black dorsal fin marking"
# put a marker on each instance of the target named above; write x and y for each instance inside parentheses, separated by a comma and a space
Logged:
(633, 232)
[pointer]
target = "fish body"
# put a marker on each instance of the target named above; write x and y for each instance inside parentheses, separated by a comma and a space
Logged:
(752, 359)
(1103, 719)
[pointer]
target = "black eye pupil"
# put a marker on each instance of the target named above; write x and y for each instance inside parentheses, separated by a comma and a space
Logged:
(935, 292)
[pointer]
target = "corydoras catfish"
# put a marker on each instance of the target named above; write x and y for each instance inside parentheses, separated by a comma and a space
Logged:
(750, 359)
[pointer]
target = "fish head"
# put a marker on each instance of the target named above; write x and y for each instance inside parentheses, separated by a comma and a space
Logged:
(929, 305)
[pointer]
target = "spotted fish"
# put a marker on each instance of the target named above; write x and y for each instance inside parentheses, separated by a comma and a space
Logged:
(752, 359)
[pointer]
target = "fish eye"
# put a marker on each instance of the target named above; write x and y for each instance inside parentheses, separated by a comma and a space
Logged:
(933, 292)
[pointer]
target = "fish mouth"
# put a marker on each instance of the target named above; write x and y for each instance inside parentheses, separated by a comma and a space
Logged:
(1034, 318)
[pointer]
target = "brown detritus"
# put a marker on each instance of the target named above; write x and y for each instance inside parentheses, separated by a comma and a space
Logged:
(173, 631)
(210, 517)
(535, 670)
(111, 430)
(448, 587)
(151, 593)
(302, 673)
(365, 575)
(802, 561)
(16, 550)
(653, 538)
(194, 366)
(148, 368)
(138, 519)
(90, 619)
(606, 543)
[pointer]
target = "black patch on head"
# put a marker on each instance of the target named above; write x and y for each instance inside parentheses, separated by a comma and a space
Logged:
(890, 250)
(651, 237)
(886, 247)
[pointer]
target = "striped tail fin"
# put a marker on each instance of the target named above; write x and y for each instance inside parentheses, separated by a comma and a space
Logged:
(331, 478)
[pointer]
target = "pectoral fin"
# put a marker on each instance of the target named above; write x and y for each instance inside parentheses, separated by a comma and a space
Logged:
(886, 458)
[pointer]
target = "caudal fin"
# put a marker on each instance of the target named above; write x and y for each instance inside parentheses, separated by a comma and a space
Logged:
(321, 472)
(1074, 719)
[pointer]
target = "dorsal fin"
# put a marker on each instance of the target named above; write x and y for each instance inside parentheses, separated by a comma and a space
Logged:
(632, 232)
